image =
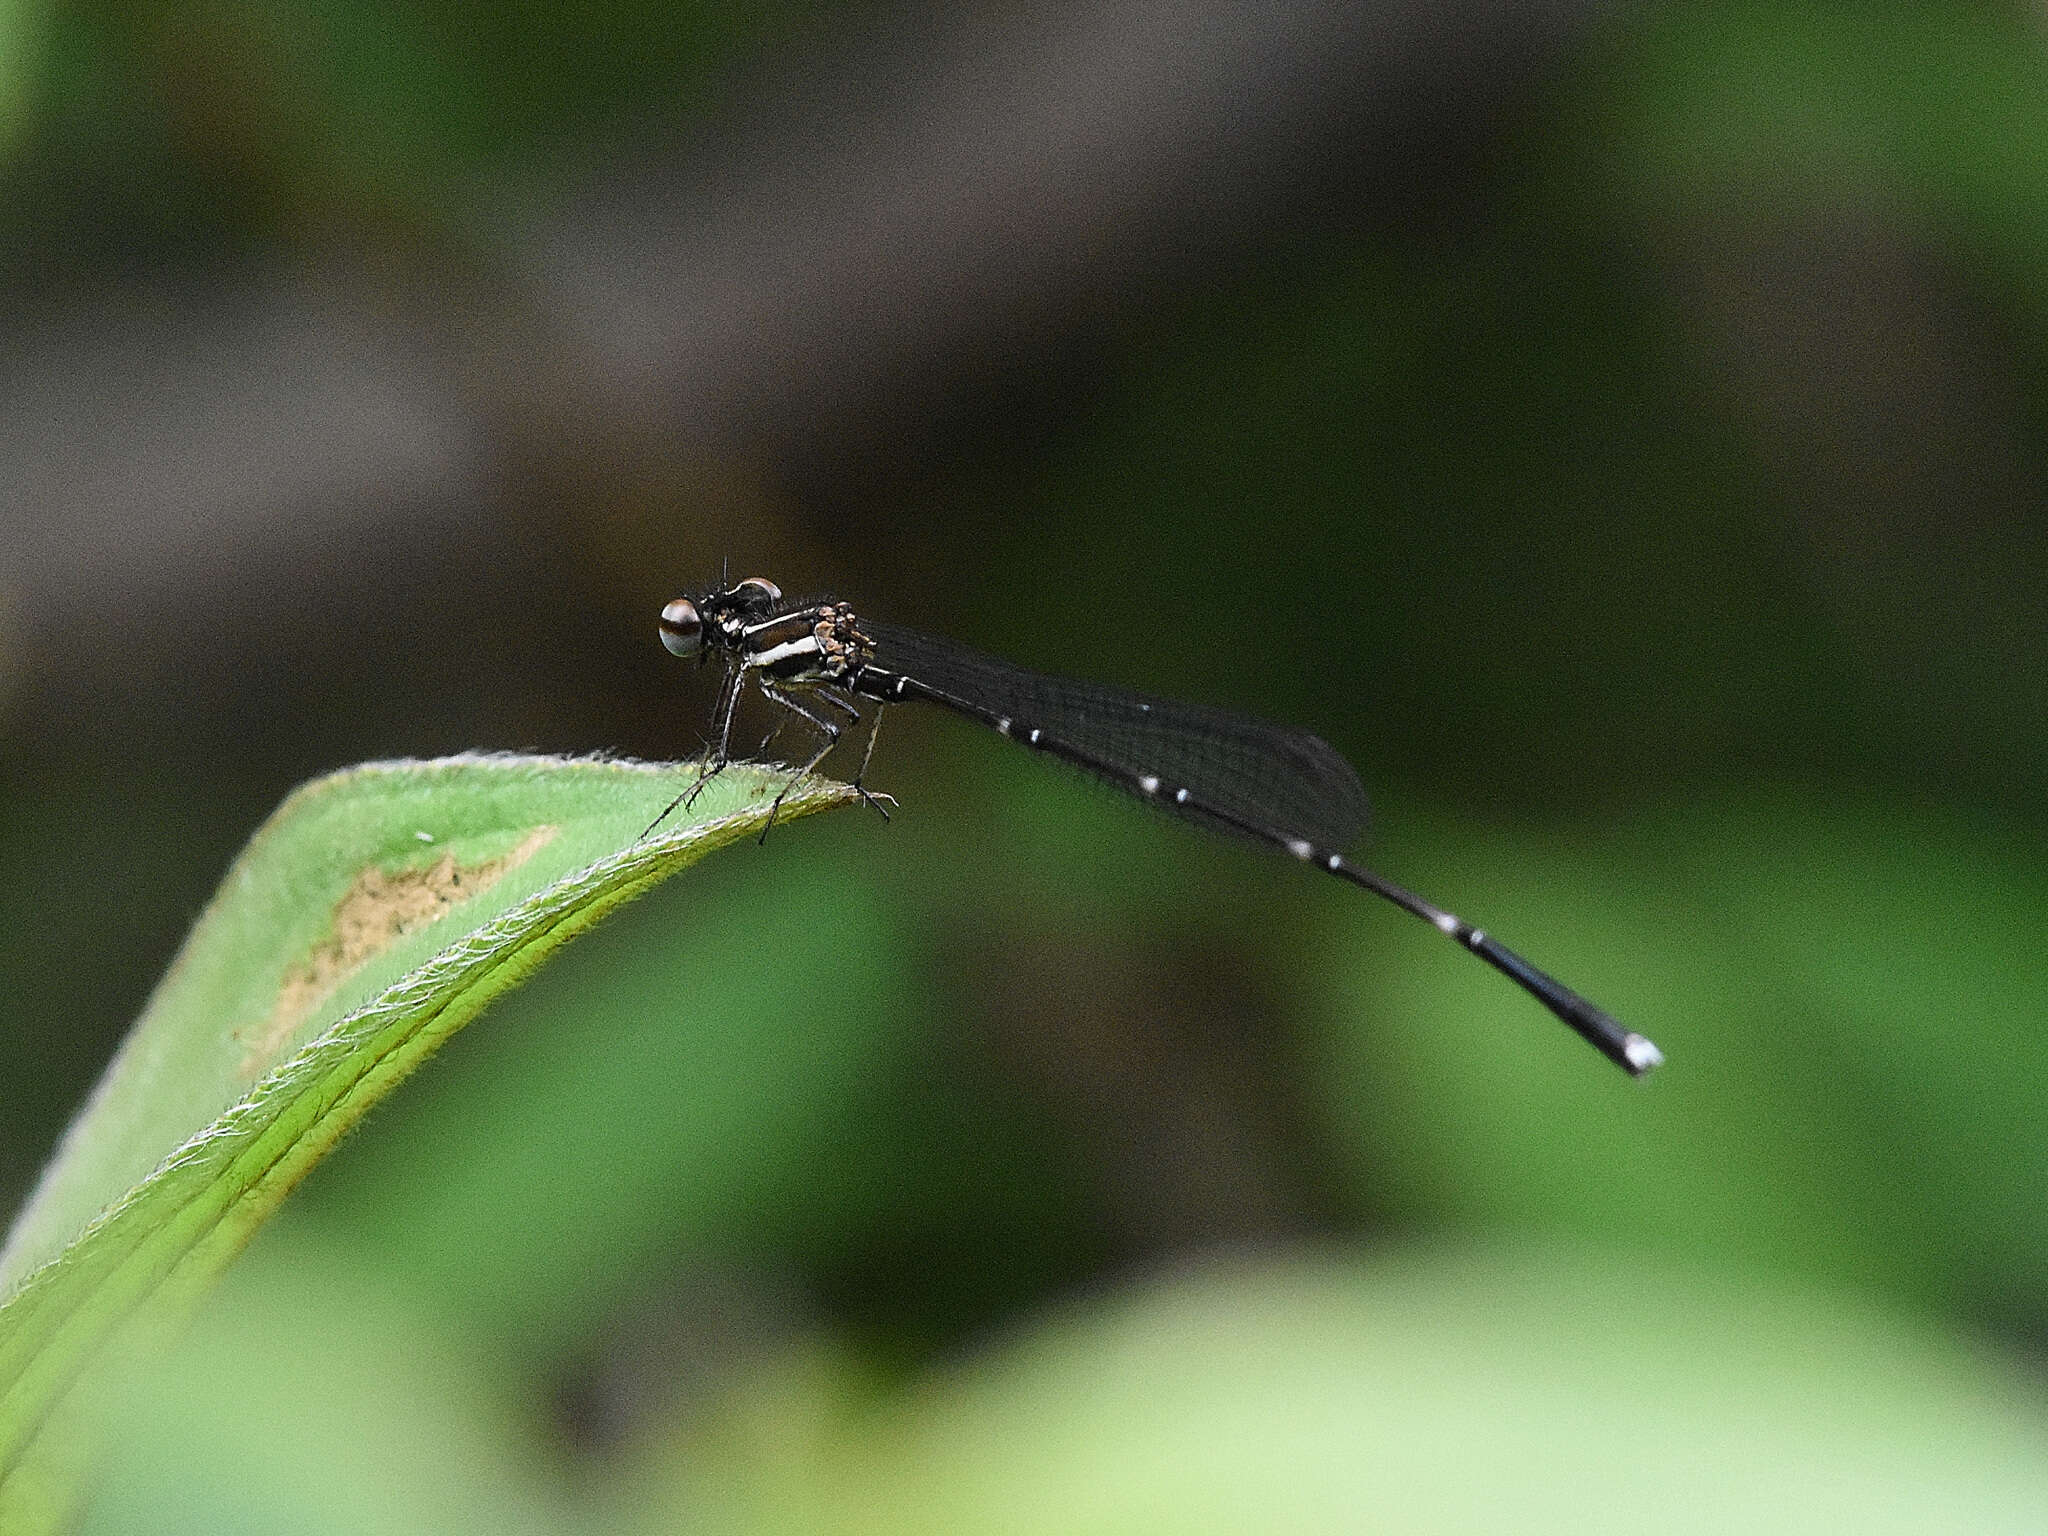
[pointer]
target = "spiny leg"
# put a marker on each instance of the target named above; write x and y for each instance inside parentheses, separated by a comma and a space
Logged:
(716, 758)
(781, 720)
(867, 798)
(825, 728)
(776, 730)
(840, 700)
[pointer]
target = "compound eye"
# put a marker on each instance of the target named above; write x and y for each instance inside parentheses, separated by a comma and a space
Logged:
(682, 630)
(758, 592)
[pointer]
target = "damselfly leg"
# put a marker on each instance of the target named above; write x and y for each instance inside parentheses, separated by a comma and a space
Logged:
(830, 732)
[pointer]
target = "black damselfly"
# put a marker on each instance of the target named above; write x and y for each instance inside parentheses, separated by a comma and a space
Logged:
(1274, 785)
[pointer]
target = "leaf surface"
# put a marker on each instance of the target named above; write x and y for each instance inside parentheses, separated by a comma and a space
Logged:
(371, 917)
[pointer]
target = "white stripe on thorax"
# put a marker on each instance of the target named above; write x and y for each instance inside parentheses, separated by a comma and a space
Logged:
(808, 646)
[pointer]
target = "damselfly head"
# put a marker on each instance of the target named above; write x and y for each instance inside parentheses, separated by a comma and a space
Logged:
(725, 614)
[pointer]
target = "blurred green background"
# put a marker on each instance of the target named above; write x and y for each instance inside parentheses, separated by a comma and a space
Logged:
(1620, 430)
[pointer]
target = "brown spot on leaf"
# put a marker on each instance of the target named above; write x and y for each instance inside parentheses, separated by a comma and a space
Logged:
(378, 909)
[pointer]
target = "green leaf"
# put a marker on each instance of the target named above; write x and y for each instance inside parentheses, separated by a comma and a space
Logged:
(1416, 1390)
(373, 916)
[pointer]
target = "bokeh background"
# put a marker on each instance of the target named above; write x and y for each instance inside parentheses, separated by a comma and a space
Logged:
(1620, 429)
